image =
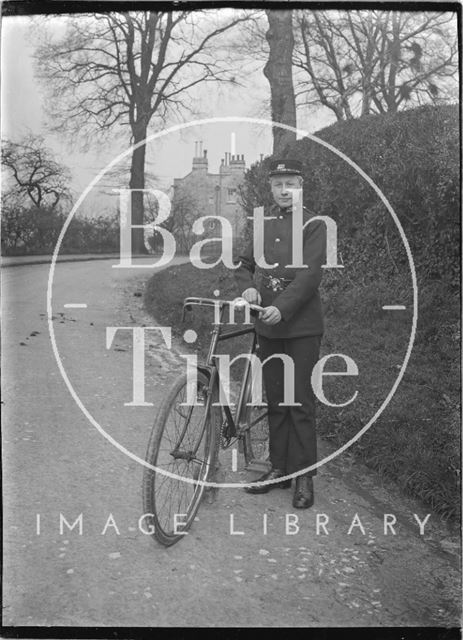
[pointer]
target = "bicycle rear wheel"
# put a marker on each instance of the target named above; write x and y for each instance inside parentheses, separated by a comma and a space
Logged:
(183, 448)
(256, 437)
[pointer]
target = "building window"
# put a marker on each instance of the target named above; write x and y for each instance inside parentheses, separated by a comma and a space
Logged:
(231, 195)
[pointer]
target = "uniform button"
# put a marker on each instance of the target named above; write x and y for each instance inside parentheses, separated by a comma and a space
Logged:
(277, 239)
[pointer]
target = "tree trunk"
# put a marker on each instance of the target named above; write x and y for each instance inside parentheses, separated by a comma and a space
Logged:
(367, 88)
(137, 181)
(278, 71)
(394, 64)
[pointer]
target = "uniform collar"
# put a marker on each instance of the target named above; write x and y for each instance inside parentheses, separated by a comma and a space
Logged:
(278, 210)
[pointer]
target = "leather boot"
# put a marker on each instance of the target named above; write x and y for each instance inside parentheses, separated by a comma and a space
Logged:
(273, 474)
(303, 493)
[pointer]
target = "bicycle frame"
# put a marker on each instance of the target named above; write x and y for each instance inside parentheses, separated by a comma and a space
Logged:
(234, 422)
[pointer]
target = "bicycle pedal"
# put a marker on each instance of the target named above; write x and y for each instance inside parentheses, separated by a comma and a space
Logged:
(258, 465)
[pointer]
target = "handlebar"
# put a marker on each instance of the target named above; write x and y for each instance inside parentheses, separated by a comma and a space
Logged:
(188, 303)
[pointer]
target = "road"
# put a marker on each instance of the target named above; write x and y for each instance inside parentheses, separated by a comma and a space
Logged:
(56, 462)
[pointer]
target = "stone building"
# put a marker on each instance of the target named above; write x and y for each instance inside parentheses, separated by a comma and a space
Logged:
(201, 193)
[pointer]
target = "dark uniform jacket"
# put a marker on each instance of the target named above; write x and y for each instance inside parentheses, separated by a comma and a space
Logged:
(299, 300)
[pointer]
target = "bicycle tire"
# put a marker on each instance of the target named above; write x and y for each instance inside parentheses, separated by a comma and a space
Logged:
(201, 434)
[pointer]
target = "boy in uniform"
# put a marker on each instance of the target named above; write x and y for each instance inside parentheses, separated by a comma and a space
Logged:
(291, 323)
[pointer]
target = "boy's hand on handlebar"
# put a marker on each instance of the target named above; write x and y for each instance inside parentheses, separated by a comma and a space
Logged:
(252, 296)
(270, 315)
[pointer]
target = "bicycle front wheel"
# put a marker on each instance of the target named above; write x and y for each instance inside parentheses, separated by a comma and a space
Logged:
(183, 450)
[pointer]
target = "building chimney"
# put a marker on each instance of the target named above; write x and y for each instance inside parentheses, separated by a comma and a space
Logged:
(200, 162)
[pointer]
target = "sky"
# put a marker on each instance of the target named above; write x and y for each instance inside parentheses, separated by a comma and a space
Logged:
(170, 155)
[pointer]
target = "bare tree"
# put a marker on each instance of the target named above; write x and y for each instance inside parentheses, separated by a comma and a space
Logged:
(128, 69)
(278, 71)
(186, 208)
(35, 174)
(360, 62)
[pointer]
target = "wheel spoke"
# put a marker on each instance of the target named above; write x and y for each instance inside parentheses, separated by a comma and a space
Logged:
(182, 445)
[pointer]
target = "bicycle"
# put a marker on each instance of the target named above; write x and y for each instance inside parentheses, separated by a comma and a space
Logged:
(185, 440)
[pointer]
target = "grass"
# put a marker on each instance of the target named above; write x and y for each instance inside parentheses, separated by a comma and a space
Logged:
(415, 440)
